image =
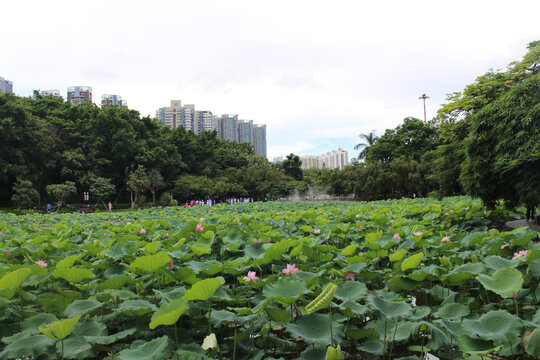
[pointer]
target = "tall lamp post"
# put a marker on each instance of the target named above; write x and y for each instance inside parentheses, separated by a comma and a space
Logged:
(424, 97)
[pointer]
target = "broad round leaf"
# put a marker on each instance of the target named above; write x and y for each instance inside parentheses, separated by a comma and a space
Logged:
(26, 343)
(285, 291)
(452, 311)
(204, 289)
(169, 313)
(136, 307)
(315, 328)
(475, 346)
(67, 262)
(506, 282)
(497, 326)
(412, 261)
(157, 349)
(151, 263)
(389, 308)
(14, 278)
(73, 275)
(59, 330)
(533, 347)
(351, 290)
(81, 307)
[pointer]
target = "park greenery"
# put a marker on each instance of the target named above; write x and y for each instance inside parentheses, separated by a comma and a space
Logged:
(390, 279)
(483, 142)
(397, 277)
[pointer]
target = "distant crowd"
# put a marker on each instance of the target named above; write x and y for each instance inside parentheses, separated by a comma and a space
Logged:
(211, 202)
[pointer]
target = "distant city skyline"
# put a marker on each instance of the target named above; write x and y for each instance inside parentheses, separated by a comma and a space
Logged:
(228, 127)
(317, 78)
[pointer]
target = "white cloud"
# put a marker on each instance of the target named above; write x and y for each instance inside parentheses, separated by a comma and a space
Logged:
(315, 72)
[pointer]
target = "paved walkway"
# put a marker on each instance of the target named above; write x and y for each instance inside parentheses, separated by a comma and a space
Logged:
(511, 225)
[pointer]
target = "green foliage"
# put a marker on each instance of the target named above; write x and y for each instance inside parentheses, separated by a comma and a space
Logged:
(24, 195)
(61, 192)
(292, 167)
(502, 150)
(139, 293)
(101, 188)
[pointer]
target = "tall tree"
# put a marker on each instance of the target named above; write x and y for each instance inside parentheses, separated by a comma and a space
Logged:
(292, 166)
(136, 182)
(154, 182)
(503, 148)
(369, 140)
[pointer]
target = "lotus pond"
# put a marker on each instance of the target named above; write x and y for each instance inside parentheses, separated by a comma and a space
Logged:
(378, 280)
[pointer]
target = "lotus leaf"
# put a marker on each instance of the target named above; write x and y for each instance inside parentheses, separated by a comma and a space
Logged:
(14, 278)
(168, 314)
(285, 291)
(412, 261)
(81, 307)
(59, 330)
(157, 349)
(151, 263)
(315, 328)
(67, 262)
(506, 281)
(204, 289)
(497, 326)
(390, 309)
(476, 346)
(73, 275)
(352, 290)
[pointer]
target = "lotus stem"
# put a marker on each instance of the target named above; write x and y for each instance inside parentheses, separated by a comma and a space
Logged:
(384, 339)
(234, 347)
(392, 345)
(331, 331)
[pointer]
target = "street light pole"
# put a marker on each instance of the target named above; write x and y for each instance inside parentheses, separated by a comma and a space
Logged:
(424, 97)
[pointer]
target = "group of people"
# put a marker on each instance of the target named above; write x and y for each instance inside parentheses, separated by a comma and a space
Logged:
(211, 202)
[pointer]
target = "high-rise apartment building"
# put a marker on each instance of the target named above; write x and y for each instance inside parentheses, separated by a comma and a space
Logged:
(309, 161)
(259, 139)
(228, 127)
(52, 93)
(335, 159)
(6, 86)
(245, 131)
(112, 100)
(204, 121)
(78, 94)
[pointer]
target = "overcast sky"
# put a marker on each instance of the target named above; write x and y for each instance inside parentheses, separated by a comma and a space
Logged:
(318, 73)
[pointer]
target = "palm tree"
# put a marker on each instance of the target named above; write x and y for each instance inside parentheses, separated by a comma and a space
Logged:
(370, 139)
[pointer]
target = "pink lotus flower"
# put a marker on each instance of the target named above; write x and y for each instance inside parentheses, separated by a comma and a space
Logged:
(520, 254)
(504, 246)
(167, 235)
(317, 232)
(104, 234)
(396, 236)
(485, 212)
(358, 216)
(269, 240)
(290, 270)
(349, 276)
(41, 263)
(199, 228)
(251, 276)
(361, 227)
(142, 231)
(445, 239)
(418, 233)
(128, 223)
(8, 253)
(170, 264)
(389, 228)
